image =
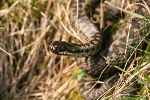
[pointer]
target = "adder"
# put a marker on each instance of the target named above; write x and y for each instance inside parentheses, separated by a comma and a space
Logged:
(96, 57)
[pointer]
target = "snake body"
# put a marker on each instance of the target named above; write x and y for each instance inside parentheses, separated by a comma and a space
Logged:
(90, 34)
(95, 60)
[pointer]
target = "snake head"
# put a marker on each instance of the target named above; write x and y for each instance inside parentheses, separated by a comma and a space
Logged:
(74, 50)
(62, 48)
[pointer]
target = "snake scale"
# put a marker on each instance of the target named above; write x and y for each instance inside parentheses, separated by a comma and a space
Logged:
(91, 56)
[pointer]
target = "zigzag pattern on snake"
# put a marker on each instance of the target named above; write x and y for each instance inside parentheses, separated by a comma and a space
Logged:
(95, 59)
(90, 34)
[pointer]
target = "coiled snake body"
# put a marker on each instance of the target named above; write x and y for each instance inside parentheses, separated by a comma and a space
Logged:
(91, 57)
(90, 34)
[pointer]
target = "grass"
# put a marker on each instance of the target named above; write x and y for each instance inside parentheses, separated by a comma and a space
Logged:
(28, 71)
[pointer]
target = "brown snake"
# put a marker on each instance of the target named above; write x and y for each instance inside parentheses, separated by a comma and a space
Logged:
(96, 60)
(90, 34)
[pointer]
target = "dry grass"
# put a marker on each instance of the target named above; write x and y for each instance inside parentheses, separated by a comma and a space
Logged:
(28, 71)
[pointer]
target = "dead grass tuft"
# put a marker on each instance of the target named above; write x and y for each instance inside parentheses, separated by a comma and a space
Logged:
(28, 71)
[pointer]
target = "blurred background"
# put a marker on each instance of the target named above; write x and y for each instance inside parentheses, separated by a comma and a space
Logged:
(28, 71)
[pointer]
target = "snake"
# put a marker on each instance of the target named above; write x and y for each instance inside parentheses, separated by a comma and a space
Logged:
(95, 57)
(91, 34)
